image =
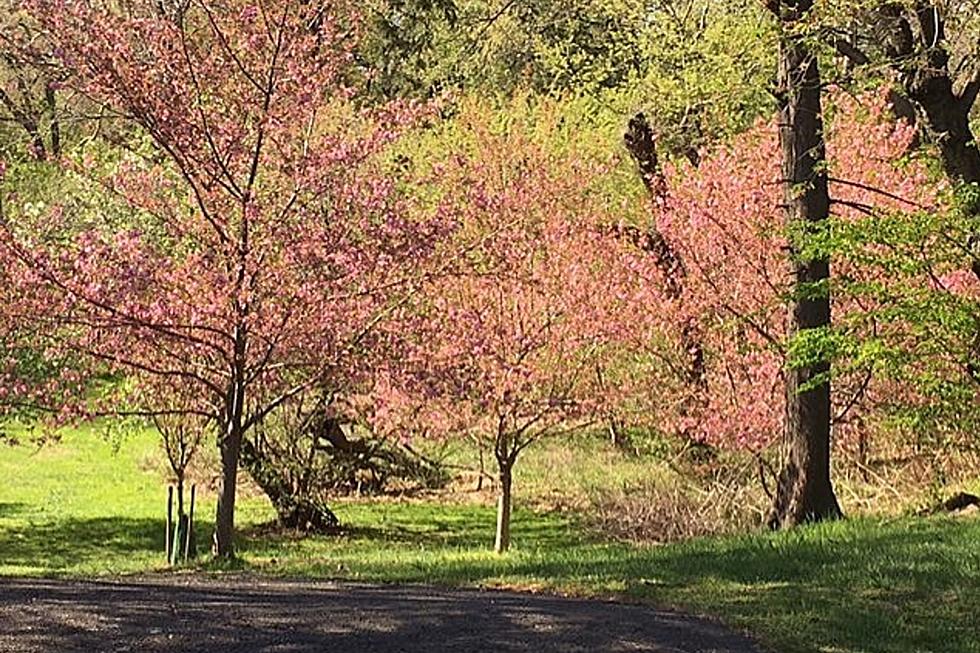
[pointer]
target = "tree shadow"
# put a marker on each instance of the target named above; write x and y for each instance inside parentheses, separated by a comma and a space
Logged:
(911, 586)
(278, 616)
(898, 588)
(455, 527)
(54, 547)
(11, 509)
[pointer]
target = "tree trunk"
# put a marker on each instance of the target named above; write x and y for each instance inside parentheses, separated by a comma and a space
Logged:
(504, 503)
(924, 69)
(180, 494)
(55, 128)
(483, 470)
(309, 516)
(641, 143)
(804, 492)
(948, 124)
(230, 446)
(224, 525)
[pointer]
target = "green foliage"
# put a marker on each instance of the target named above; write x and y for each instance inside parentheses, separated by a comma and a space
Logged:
(419, 46)
(918, 326)
(400, 52)
(707, 71)
(700, 70)
(553, 47)
(573, 128)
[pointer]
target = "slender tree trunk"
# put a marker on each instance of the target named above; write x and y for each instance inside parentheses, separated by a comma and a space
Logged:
(483, 469)
(804, 492)
(230, 446)
(224, 525)
(55, 128)
(504, 503)
(180, 495)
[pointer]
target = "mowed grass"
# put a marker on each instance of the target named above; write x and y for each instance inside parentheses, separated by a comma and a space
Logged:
(80, 508)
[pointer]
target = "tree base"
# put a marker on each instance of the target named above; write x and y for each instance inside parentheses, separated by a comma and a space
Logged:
(309, 517)
(802, 500)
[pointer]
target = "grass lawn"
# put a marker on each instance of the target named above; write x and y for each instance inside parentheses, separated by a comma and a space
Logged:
(82, 508)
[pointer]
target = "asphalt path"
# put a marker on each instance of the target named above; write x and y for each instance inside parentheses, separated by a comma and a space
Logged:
(246, 615)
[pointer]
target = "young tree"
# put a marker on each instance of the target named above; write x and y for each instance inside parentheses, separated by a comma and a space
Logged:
(512, 348)
(265, 244)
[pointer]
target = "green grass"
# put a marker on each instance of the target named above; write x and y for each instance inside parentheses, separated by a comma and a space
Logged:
(900, 586)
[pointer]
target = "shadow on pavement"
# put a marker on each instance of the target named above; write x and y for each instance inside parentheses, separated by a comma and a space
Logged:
(203, 615)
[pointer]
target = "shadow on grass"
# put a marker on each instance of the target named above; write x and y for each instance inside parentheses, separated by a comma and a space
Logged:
(11, 509)
(55, 547)
(912, 586)
(451, 527)
(906, 587)
(909, 586)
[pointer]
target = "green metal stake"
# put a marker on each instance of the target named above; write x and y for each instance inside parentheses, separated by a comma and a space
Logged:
(179, 538)
(168, 546)
(189, 536)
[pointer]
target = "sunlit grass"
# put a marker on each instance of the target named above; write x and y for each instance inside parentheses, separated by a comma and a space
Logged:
(905, 585)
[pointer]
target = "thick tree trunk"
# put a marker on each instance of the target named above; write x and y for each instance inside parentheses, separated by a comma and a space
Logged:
(804, 492)
(941, 105)
(948, 124)
(504, 503)
(920, 55)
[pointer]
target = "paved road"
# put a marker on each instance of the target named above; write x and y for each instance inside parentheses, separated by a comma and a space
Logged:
(253, 616)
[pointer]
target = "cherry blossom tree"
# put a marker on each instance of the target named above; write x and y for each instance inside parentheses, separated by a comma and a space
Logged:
(723, 222)
(525, 339)
(265, 243)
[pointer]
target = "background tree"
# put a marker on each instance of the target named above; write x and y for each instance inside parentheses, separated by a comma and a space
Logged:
(316, 448)
(724, 221)
(28, 85)
(804, 490)
(931, 50)
(699, 70)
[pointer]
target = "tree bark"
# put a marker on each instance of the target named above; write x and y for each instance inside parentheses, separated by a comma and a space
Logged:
(641, 143)
(924, 70)
(180, 494)
(940, 109)
(804, 492)
(504, 504)
(230, 446)
(224, 525)
(55, 127)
